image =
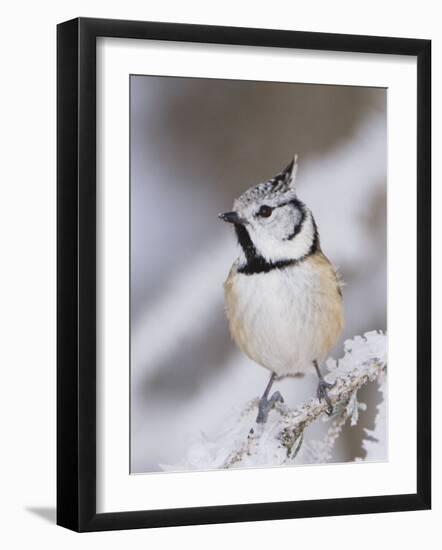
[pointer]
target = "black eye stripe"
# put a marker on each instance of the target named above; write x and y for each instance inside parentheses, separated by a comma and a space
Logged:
(269, 209)
(295, 202)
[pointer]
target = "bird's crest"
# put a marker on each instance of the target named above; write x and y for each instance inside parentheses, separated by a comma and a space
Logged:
(282, 184)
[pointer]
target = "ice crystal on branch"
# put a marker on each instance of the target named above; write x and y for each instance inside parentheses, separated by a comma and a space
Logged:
(243, 443)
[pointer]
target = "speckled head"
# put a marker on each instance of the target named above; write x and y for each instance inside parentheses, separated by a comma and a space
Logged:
(272, 191)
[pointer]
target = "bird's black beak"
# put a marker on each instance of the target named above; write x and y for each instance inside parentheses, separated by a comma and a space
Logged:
(231, 217)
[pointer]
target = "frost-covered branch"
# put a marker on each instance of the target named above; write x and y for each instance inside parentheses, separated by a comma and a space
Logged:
(244, 443)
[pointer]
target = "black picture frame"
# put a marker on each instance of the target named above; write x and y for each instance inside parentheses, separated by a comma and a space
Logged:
(76, 273)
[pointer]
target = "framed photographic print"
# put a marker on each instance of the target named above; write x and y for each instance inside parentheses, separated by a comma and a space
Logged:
(243, 274)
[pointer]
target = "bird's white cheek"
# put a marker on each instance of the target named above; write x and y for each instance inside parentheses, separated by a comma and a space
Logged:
(271, 242)
(271, 248)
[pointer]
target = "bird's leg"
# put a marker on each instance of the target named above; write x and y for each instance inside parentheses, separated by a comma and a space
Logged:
(323, 387)
(265, 404)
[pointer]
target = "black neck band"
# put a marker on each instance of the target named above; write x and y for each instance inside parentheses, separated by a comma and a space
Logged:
(260, 265)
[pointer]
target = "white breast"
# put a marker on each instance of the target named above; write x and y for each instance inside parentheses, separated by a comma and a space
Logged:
(285, 319)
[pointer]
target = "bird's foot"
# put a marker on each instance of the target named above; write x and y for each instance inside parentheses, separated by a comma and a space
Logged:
(322, 393)
(266, 405)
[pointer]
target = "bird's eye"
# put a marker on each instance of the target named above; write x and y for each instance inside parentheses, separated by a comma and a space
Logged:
(265, 211)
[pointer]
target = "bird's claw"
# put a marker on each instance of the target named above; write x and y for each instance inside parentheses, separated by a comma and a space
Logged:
(322, 393)
(266, 405)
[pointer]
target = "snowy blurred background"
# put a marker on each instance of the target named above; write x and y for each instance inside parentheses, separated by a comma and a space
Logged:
(196, 144)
